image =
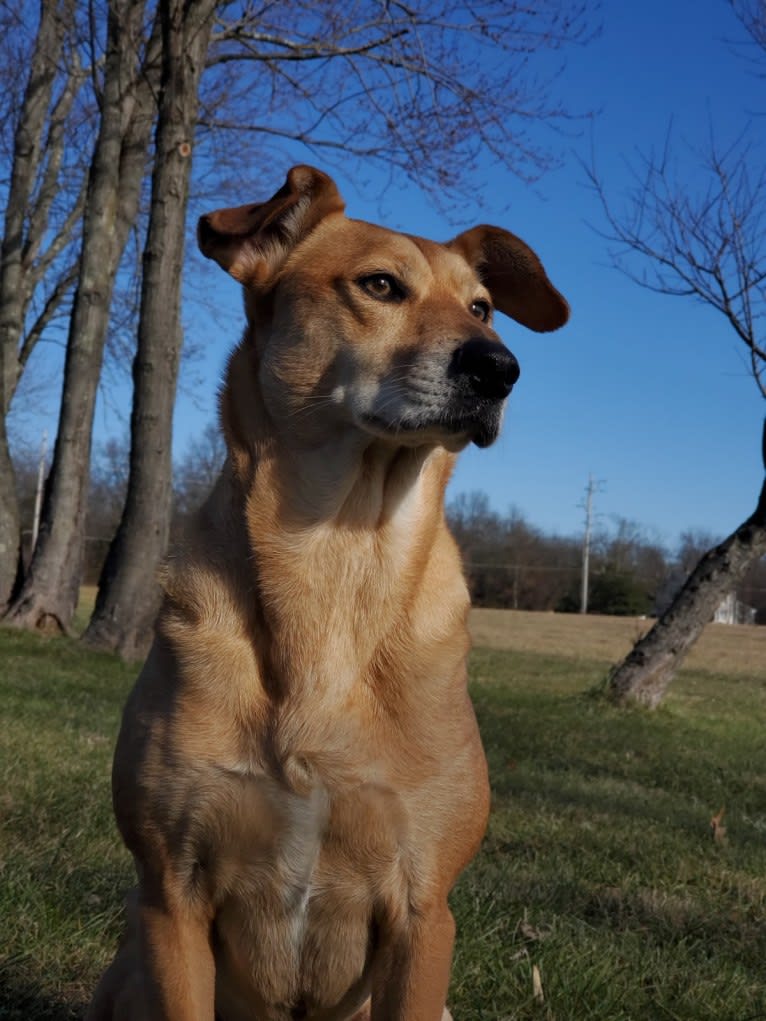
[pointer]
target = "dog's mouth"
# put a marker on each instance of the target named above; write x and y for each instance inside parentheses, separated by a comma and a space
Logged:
(448, 398)
(450, 427)
(452, 400)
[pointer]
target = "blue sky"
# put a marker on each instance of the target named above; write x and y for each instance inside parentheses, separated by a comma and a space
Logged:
(648, 393)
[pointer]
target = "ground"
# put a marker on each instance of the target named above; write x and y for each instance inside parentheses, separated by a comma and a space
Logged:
(599, 875)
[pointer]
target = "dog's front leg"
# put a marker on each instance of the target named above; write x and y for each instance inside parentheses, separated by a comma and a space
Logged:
(412, 977)
(177, 958)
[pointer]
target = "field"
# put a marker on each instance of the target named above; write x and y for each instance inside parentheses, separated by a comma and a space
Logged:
(721, 649)
(599, 875)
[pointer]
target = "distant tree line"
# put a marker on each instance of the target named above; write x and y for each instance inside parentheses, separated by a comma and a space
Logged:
(509, 562)
(193, 477)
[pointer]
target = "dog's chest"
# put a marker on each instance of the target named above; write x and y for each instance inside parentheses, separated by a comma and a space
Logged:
(301, 886)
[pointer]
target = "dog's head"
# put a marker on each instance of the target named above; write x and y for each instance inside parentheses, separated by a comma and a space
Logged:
(359, 326)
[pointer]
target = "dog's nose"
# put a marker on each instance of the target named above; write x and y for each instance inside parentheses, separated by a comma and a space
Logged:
(487, 366)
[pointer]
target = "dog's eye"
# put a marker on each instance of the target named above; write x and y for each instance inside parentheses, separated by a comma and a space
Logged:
(481, 310)
(382, 286)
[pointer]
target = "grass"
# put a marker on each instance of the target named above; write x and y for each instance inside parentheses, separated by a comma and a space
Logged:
(598, 869)
(723, 648)
(599, 865)
(62, 871)
(84, 608)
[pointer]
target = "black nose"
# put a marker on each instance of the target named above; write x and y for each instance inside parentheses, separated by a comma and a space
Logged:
(487, 367)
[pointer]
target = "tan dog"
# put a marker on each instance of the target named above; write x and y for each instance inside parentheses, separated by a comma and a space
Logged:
(299, 774)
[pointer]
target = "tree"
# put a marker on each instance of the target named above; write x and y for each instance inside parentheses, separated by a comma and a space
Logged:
(26, 466)
(619, 593)
(709, 246)
(628, 572)
(106, 498)
(129, 595)
(197, 472)
(43, 203)
(425, 88)
(48, 597)
(508, 562)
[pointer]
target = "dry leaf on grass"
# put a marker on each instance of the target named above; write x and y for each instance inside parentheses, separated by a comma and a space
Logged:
(537, 985)
(533, 933)
(717, 828)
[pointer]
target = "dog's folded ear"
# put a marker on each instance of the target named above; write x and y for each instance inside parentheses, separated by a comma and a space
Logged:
(251, 242)
(514, 276)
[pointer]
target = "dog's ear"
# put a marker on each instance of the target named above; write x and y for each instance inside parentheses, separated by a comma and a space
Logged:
(251, 242)
(514, 276)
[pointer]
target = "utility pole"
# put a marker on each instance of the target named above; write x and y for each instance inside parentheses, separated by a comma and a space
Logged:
(586, 543)
(39, 490)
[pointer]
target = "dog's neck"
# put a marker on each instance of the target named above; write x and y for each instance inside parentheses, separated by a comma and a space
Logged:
(341, 536)
(347, 485)
(325, 477)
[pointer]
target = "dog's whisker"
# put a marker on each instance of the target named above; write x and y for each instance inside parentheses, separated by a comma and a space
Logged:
(316, 405)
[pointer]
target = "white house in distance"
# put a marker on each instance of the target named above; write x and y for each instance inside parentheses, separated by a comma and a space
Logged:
(732, 611)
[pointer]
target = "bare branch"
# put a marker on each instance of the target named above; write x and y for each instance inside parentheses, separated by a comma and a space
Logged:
(64, 235)
(710, 245)
(27, 153)
(431, 89)
(53, 302)
(288, 49)
(49, 187)
(752, 14)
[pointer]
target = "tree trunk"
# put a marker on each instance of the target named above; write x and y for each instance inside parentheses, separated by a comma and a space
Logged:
(129, 594)
(50, 591)
(27, 149)
(10, 522)
(644, 675)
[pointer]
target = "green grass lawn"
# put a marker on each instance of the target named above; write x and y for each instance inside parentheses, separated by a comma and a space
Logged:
(598, 870)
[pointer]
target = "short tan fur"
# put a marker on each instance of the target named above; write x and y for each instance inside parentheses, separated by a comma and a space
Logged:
(299, 774)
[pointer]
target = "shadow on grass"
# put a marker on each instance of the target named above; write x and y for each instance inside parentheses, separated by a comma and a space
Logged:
(21, 1000)
(51, 968)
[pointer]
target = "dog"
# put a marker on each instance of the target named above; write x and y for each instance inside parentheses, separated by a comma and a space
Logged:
(299, 774)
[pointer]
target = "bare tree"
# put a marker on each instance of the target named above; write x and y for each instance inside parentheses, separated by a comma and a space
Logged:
(424, 89)
(197, 472)
(710, 246)
(129, 595)
(43, 205)
(50, 591)
(508, 562)
(106, 498)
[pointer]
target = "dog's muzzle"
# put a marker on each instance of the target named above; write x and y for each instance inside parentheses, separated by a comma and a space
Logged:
(460, 402)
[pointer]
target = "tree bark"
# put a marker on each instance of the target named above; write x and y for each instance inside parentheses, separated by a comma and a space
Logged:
(129, 594)
(644, 675)
(14, 298)
(48, 597)
(10, 522)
